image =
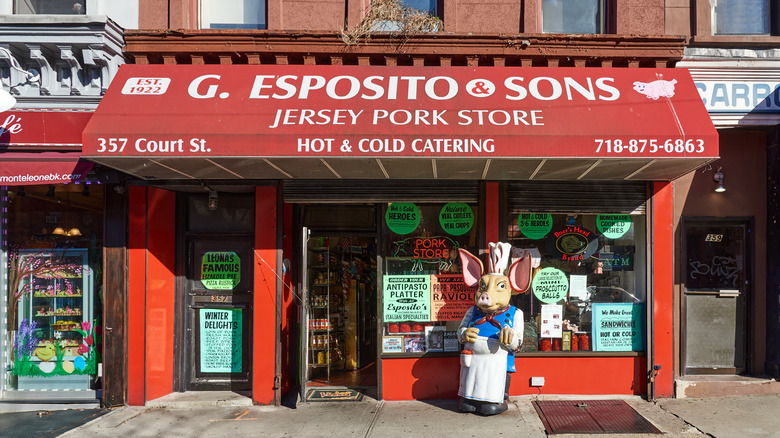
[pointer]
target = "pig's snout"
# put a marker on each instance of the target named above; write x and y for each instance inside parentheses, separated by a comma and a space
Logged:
(484, 300)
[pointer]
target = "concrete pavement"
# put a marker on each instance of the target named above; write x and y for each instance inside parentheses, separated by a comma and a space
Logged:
(739, 417)
(228, 414)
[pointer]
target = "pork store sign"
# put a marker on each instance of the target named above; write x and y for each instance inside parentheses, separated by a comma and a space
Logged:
(370, 111)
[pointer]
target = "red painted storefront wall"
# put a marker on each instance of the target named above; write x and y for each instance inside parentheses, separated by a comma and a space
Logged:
(264, 343)
(437, 378)
(663, 287)
(151, 289)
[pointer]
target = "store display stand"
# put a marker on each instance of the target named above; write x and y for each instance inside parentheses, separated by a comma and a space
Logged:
(325, 322)
(59, 306)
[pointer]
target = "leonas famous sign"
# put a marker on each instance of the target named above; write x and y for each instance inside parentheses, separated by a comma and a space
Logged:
(369, 111)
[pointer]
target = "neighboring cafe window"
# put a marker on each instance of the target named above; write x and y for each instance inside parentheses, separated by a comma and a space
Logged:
(61, 7)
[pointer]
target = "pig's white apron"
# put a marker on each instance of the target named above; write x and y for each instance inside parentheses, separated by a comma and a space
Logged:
(484, 378)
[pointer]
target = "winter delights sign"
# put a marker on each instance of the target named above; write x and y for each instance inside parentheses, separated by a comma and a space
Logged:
(220, 270)
(220, 340)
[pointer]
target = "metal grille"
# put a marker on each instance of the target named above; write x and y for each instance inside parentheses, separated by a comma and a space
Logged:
(368, 191)
(577, 197)
(591, 416)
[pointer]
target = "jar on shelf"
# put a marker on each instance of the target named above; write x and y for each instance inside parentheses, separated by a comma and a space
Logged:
(584, 342)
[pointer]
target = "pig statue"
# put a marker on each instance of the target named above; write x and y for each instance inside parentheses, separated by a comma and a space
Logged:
(491, 330)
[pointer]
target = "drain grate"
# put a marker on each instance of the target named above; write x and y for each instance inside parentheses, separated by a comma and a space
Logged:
(591, 416)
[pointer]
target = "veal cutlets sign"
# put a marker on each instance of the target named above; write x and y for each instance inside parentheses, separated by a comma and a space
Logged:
(370, 111)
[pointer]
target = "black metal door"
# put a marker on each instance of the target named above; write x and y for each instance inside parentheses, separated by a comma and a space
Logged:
(219, 313)
(716, 285)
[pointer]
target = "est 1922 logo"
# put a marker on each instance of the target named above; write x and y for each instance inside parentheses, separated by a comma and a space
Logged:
(146, 86)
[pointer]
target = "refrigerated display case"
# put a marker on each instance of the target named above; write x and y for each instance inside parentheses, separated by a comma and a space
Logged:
(55, 342)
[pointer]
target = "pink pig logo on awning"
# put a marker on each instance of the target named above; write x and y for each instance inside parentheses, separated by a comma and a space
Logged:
(654, 90)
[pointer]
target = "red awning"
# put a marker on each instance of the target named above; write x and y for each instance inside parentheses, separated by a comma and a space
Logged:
(18, 168)
(42, 147)
(360, 122)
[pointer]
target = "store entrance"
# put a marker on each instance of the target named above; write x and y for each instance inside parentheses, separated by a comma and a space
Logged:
(338, 315)
(218, 323)
(717, 288)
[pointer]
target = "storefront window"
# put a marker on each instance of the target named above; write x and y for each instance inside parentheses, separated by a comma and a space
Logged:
(424, 297)
(588, 290)
(52, 242)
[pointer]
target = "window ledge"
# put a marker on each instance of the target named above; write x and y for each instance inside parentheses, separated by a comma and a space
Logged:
(737, 40)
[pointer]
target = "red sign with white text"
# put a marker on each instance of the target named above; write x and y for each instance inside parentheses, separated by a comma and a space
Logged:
(370, 111)
(45, 130)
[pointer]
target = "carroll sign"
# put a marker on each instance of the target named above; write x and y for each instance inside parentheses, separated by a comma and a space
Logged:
(740, 96)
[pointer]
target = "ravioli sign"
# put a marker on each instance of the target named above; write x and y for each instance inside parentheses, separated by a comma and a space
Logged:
(220, 270)
(407, 298)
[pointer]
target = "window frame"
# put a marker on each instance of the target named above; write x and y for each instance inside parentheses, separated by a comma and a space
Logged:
(604, 23)
(203, 6)
(772, 22)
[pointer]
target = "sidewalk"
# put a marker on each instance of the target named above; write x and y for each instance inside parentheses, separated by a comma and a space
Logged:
(750, 416)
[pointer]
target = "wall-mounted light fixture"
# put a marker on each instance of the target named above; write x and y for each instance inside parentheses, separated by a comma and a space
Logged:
(50, 192)
(213, 200)
(718, 178)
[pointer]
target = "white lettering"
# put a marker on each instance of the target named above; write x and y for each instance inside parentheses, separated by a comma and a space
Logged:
(211, 91)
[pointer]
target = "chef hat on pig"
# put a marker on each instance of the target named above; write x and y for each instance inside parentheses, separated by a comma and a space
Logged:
(498, 257)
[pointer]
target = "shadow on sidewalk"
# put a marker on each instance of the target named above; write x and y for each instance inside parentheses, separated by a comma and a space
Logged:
(45, 423)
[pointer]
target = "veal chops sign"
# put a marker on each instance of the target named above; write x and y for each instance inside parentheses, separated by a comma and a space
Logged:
(331, 111)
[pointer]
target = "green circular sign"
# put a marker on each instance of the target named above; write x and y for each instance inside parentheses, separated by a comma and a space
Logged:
(613, 226)
(402, 217)
(456, 218)
(550, 285)
(535, 225)
(220, 270)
